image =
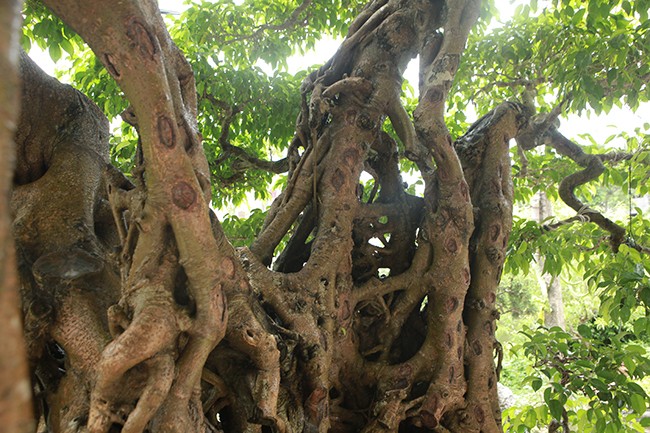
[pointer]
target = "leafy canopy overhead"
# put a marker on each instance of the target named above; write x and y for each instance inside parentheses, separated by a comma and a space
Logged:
(227, 45)
(589, 54)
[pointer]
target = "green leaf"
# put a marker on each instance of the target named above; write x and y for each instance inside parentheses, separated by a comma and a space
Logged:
(638, 403)
(584, 330)
(55, 52)
(556, 408)
(531, 418)
(644, 294)
(67, 46)
(630, 364)
(636, 388)
(598, 384)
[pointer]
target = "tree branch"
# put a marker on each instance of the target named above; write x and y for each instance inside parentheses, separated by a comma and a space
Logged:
(244, 161)
(593, 168)
(292, 21)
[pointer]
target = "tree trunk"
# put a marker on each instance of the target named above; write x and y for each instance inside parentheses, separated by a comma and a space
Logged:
(15, 388)
(550, 284)
(139, 313)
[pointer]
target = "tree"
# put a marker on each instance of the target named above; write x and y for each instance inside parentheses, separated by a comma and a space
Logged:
(356, 306)
(550, 285)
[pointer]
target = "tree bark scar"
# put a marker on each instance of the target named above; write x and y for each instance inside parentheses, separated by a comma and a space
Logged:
(495, 231)
(480, 414)
(435, 95)
(316, 404)
(428, 419)
(141, 37)
(351, 157)
(364, 121)
(345, 311)
(350, 117)
(228, 267)
(452, 304)
(451, 245)
(166, 132)
(183, 195)
(487, 326)
(109, 61)
(467, 276)
(493, 255)
(338, 179)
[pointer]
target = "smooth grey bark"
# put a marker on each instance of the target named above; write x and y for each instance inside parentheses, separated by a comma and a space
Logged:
(549, 284)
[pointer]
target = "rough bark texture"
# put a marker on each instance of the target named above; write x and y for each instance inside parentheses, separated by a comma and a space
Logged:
(15, 388)
(65, 240)
(378, 315)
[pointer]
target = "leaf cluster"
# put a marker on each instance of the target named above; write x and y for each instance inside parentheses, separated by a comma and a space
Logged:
(588, 380)
(592, 52)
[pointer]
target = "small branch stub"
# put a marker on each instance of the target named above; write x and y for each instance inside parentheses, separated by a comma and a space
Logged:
(140, 36)
(166, 132)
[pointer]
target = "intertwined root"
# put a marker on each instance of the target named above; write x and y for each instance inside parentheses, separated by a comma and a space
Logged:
(146, 362)
(149, 342)
(248, 336)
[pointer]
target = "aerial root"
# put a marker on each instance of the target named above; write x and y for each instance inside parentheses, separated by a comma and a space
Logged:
(152, 330)
(161, 375)
(246, 334)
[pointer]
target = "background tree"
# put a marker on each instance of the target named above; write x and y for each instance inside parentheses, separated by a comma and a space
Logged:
(357, 305)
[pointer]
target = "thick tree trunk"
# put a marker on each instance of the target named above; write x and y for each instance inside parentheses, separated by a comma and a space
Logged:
(15, 387)
(65, 240)
(342, 335)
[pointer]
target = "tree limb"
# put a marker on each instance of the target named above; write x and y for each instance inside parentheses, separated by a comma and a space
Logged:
(593, 168)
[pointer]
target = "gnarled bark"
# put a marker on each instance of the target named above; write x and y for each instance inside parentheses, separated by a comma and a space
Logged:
(65, 240)
(378, 316)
